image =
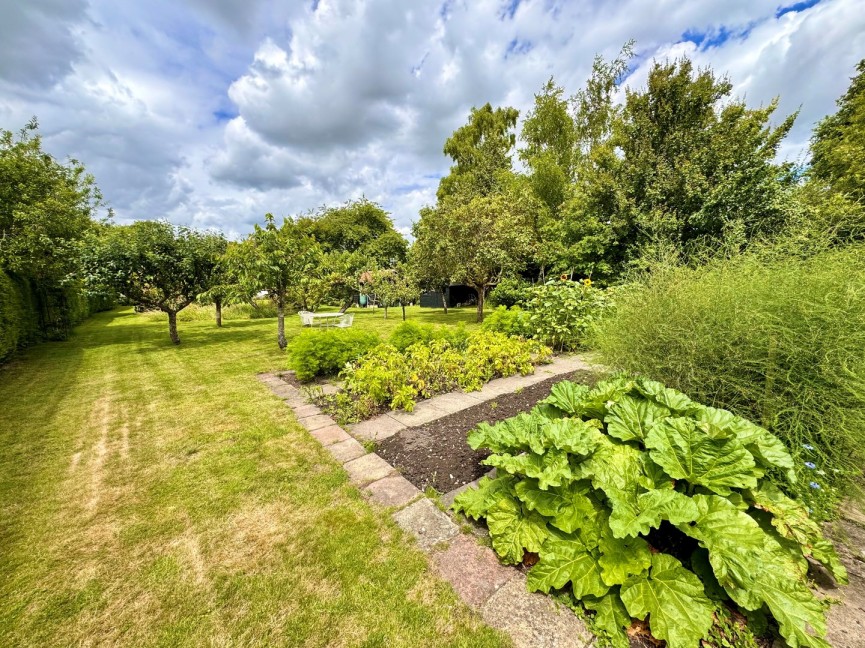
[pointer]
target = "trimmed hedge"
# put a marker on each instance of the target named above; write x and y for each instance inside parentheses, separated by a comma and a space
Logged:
(29, 315)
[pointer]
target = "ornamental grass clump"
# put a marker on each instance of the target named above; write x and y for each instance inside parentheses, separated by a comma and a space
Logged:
(641, 502)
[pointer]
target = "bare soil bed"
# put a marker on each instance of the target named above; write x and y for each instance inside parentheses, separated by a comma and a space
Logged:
(436, 454)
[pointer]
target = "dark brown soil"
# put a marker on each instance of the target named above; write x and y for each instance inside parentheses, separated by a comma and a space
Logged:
(291, 379)
(436, 454)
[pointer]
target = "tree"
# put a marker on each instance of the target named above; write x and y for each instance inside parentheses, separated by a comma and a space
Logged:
(392, 286)
(838, 144)
(155, 264)
(683, 166)
(480, 239)
(277, 259)
(46, 212)
(225, 287)
(481, 150)
(428, 256)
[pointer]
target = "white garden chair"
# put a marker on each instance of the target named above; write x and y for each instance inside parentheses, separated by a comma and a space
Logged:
(345, 321)
(306, 318)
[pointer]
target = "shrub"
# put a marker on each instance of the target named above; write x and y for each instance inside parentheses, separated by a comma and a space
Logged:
(386, 377)
(325, 352)
(777, 341)
(510, 291)
(13, 317)
(411, 333)
(561, 312)
(642, 502)
(510, 321)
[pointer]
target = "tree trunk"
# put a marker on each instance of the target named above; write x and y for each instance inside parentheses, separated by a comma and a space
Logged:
(218, 303)
(280, 322)
(403, 311)
(172, 326)
(480, 291)
(445, 300)
(385, 312)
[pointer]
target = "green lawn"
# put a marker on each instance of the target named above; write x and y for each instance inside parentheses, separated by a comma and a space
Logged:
(161, 495)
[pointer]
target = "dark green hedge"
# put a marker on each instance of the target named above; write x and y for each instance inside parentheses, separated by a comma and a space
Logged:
(30, 314)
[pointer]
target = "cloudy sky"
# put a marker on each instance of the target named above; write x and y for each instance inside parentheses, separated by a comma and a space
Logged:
(212, 112)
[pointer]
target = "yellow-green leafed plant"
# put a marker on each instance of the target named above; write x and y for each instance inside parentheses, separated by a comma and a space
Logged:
(642, 502)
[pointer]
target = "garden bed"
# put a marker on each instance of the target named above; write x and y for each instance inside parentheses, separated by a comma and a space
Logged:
(436, 454)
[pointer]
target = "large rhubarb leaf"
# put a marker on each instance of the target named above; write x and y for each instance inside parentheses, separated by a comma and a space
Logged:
(568, 507)
(615, 468)
(601, 396)
(550, 469)
(513, 435)
(475, 502)
(673, 597)
(754, 569)
(634, 516)
(669, 398)
(571, 435)
(621, 558)
(766, 448)
(515, 530)
(611, 617)
(792, 521)
(685, 451)
(567, 561)
(568, 397)
(631, 418)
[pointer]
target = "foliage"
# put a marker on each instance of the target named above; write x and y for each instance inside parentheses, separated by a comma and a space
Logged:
(285, 262)
(479, 238)
(410, 333)
(481, 151)
(838, 144)
(326, 352)
(154, 264)
(510, 291)
(510, 321)
(46, 212)
(777, 340)
(386, 377)
(561, 312)
(644, 502)
(392, 287)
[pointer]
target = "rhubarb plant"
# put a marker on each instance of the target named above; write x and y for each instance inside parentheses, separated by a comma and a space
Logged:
(640, 502)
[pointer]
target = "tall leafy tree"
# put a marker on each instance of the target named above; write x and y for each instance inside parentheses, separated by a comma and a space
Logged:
(481, 150)
(838, 144)
(480, 239)
(155, 264)
(46, 211)
(685, 165)
(280, 260)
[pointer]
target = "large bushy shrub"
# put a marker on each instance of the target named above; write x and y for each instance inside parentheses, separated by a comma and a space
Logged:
(779, 341)
(510, 291)
(558, 313)
(639, 501)
(325, 352)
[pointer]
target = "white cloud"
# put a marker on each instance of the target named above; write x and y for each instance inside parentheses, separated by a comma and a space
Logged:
(213, 113)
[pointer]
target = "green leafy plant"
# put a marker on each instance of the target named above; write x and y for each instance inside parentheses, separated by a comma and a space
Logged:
(510, 321)
(410, 333)
(776, 340)
(326, 352)
(561, 312)
(643, 502)
(510, 291)
(386, 377)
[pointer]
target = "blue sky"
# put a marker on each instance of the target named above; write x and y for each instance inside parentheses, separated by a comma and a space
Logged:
(213, 112)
